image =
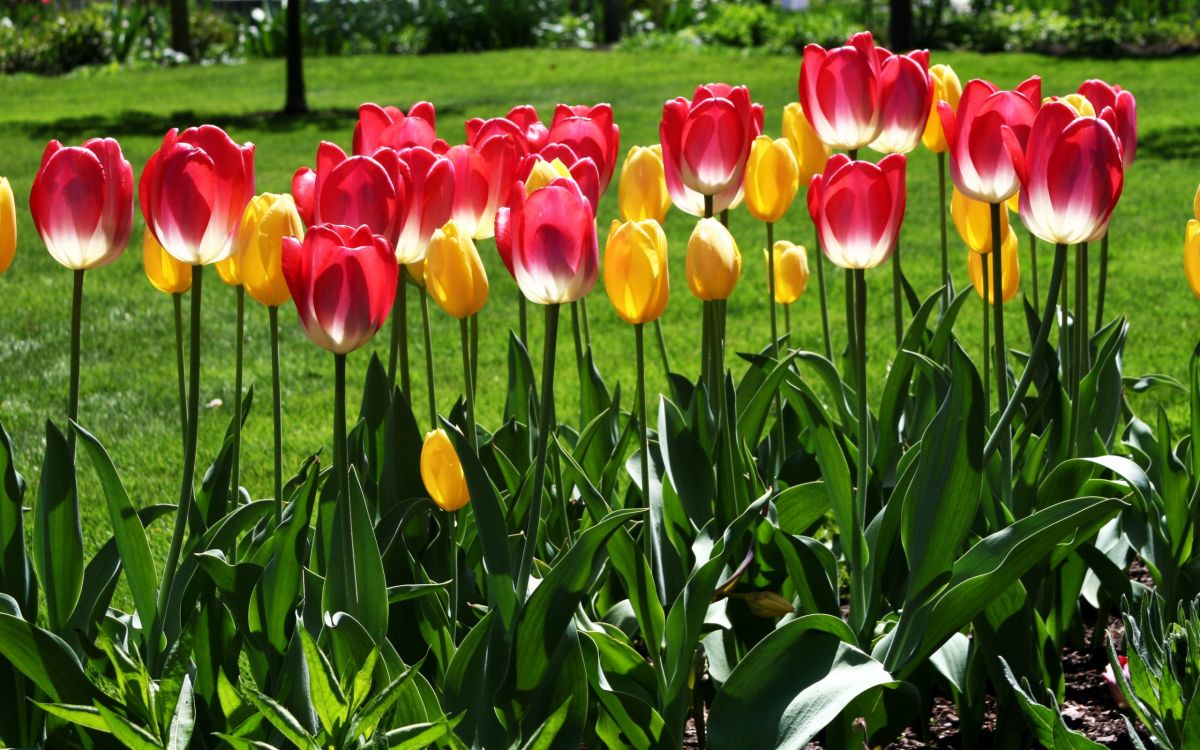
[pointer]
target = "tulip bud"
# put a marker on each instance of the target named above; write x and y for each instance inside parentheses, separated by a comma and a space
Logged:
(227, 270)
(1114, 688)
(810, 152)
(442, 472)
(946, 88)
(973, 220)
(168, 275)
(268, 218)
(1077, 102)
(414, 273)
(791, 271)
(713, 262)
(642, 191)
(544, 172)
(8, 225)
(978, 264)
(635, 270)
(772, 178)
(1191, 255)
(768, 604)
(454, 273)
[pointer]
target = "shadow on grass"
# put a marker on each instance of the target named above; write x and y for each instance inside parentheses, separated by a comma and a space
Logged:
(136, 123)
(1179, 142)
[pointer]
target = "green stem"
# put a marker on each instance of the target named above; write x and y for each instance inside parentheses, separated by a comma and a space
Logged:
(864, 422)
(1034, 264)
(469, 382)
(429, 379)
(474, 352)
(1085, 344)
(662, 349)
(587, 326)
(1035, 354)
(451, 534)
(237, 387)
(524, 315)
(76, 334)
(401, 320)
(774, 341)
(341, 461)
(394, 348)
(708, 206)
(987, 329)
(276, 412)
(897, 294)
(948, 291)
(1102, 289)
(851, 343)
(643, 432)
(545, 427)
(787, 324)
(725, 217)
(180, 368)
(1001, 355)
(184, 508)
(820, 261)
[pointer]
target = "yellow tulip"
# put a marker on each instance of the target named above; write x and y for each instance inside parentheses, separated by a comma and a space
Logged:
(946, 88)
(8, 225)
(811, 154)
(1078, 102)
(791, 271)
(1191, 255)
(259, 247)
(635, 270)
(642, 192)
(772, 178)
(442, 472)
(166, 273)
(713, 262)
(228, 272)
(768, 604)
(973, 220)
(454, 273)
(544, 172)
(415, 272)
(1014, 203)
(1009, 267)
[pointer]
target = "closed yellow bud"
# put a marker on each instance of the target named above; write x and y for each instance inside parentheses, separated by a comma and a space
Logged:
(454, 273)
(415, 272)
(811, 154)
(946, 88)
(973, 220)
(713, 262)
(1010, 268)
(442, 472)
(635, 270)
(772, 178)
(1191, 255)
(1078, 102)
(544, 172)
(8, 225)
(791, 271)
(768, 604)
(259, 248)
(642, 192)
(1014, 203)
(228, 271)
(168, 274)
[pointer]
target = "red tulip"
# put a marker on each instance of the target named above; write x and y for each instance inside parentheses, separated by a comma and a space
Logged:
(583, 170)
(706, 143)
(1123, 105)
(840, 92)
(388, 127)
(471, 189)
(502, 145)
(550, 242)
(857, 208)
(343, 281)
(987, 135)
(905, 98)
(429, 189)
(193, 192)
(521, 122)
(589, 132)
(82, 202)
(348, 190)
(1072, 175)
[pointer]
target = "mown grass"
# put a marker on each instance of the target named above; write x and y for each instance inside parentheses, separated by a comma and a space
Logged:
(129, 397)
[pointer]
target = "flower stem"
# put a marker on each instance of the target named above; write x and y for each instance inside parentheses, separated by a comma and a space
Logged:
(948, 291)
(399, 349)
(76, 329)
(820, 260)
(897, 293)
(662, 348)
(524, 318)
(474, 352)
(341, 467)
(469, 382)
(1033, 262)
(276, 412)
(774, 341)
(587, 326)
(851, 339)
(1102, 289)
(858, 592)
(545, 427)
(179, 367)
(985, 277)
(1001, 356)
(787, 323)
(236, 474)
(429, 379)
(708, 206)
(643, 433)
(452, 544)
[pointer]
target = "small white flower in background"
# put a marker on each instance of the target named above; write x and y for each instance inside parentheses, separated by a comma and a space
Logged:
(216, 403)
(960, 6)
(258, 15)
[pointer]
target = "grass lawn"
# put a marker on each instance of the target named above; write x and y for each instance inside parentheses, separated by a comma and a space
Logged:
(128, 384)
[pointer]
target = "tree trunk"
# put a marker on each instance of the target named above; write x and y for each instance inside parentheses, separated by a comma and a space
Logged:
(296, 102)
(901, 26)
(181, 34)
(614, 20)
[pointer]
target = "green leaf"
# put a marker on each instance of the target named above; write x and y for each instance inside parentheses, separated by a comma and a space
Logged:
(476, 673)
(355, 582)
(520, 382)
(419, 736)
(58, 536)
(279, 717)
(279, 589)
(801, 506)
(543, 738)
(184, 720)
(46, 660)
(127, 528)
(16, 573)
(85, 716)
(324, 692)
(791, 685)
(131, 735)
(373, 712)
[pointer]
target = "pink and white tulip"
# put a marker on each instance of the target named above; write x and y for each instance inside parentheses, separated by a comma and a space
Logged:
(590, 133)
(906, 96)
(1123, 105)
(857, 208)
(548, 242)
(987, 135)
(389, 127)
(429, 190)
(840, 92)
(349, 190)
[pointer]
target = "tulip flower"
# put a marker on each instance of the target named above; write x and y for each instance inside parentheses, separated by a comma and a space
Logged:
(1191, 255)
(987, 135)
(521, 121)
(590, 133)
(502, 145)
(472, 191)
(82, 202)
(351, 190)
(642, 192)
(705, 145)
(201, 161)
(554, 255)
(442, 472)
(635, 270)
(905, 98)
(388, 127)
(810, 152)
(1010, 275)
(772, 179)
(8, 225)
(948, 89)
(555, 161)
(713, 263)
(840, 92)
(454, 272)
(1123, 105)
(857, 208)
(1077, 102)
(973, 221)
(791, 271)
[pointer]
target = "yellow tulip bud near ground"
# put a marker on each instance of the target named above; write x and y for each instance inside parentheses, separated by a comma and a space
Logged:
(973, 220)
(713, 263)
(946, 88)
(544, 172)
(454, 274)
(1191, 255)
(772, 178)
(635, 270)
(165, 272)
(791, 271)
(1010, 268)
(642, 192)
(442, 473)
(8, 225)
(810, 152)
(768, 604)
(259, 246)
